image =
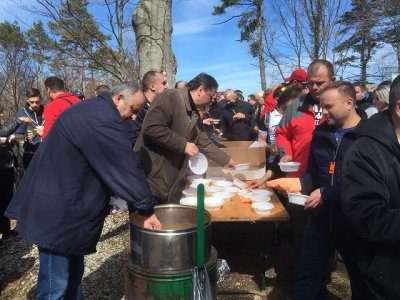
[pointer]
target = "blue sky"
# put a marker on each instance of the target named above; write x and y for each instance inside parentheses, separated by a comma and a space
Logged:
(199, 45)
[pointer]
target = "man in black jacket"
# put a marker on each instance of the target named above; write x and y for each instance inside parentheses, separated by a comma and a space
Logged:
(326, 228)
(371, 199)
(62, 200)
(236, 118)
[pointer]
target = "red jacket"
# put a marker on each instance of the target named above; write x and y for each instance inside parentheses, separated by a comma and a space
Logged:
(55, 108)
(269, 104)
(294, 132)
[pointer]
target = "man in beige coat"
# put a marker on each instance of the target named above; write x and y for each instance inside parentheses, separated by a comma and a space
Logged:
(172, 133)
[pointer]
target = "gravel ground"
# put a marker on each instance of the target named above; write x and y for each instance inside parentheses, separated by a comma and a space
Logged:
(239, 244)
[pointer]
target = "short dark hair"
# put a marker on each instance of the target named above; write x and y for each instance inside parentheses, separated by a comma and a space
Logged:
(149, 78)
(360, 85)
(102, 89)
(55, 83)
(252, 97)
(203, 79)
(177, 83)
(344, 88)
(32, 92)
(394, 94)
(321, 62)
(289, 94)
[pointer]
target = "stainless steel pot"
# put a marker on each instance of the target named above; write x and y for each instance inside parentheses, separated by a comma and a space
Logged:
(174, 247)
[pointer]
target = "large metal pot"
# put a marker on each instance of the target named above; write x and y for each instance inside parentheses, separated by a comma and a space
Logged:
(173, 248)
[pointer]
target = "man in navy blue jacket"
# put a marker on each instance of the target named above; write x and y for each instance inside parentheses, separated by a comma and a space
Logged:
(63, 198)
(326, 228)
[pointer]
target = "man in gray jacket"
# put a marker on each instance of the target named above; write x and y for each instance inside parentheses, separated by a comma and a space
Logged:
(172, 133)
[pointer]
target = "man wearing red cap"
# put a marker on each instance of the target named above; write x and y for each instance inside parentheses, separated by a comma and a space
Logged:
(298, 75)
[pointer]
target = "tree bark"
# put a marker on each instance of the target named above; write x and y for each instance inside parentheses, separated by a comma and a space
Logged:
(261, 60)
(152, 22)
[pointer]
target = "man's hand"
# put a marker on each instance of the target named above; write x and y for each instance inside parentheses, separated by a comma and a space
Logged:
(286, 158)
(254, 184)
(208, 121)
(290, 185)
(230, 165)
(191, 149)
(152, 223)
(239, 116)
(25, 120)
(314, 200)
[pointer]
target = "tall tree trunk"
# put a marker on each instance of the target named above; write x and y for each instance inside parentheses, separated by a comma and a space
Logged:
(152, 22)
(398, 56)
(261, 59)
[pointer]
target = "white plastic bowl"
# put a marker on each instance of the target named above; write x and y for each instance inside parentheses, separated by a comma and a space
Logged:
(223, 183)
(224, 196)
(216, 179)
(246, 193)
(265, 193)
(196, 182)
(298, 199)
(198, 164)
(189, 192)
(3, 139)
(213, 203)
(211, 189)
(259, 198)
(192, 178)
(190, 201)
(231, 189)
(289, 166)
(240, 184)
(210, 203)
(262, 207)
(241, 167)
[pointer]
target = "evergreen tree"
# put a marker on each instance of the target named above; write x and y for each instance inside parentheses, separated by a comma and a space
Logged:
(362, 39)
(251, 23)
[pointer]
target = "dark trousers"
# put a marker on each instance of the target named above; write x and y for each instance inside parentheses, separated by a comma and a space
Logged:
(6, 193)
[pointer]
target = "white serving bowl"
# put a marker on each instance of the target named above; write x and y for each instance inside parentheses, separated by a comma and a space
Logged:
(246, 193)
(3, 139)
(225, 183)
(262, 192)
(224, 196)
(216, 179)
(290, 166)
(190, 201)
(211, 189)
(189, 192)
(213, 203)
(231, 189)
(192, 178)
(259, 198)
(298, 199)
(196, 182)
(210, 203)
(198, 164)
(262, 207)
(240, 184)
(241, 167)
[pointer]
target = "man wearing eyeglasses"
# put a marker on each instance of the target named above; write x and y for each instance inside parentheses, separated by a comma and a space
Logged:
(153, 84)
(172, 133)
(33, 110)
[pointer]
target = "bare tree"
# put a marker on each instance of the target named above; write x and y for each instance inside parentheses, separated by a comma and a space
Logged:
(152, 22)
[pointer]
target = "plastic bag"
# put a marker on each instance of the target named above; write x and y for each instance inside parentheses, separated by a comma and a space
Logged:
(119, 203)
(223, 270)
(201, 285)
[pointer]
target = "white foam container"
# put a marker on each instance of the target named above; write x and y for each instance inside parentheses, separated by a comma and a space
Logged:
(266, 193)
(223, 183)
(241, 167)
(262, 207)
(224, 196)
(290, 166)
(298, 199)
(240, 184)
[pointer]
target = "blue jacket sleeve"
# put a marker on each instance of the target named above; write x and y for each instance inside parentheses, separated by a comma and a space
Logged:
(21, 129)
(10, 127)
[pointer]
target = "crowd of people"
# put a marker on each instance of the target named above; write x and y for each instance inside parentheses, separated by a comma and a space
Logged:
(134, 142)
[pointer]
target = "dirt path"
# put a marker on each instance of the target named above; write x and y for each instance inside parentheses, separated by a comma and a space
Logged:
(239, 244)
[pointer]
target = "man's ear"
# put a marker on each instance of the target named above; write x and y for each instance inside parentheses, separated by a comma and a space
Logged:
(397, 109)
(333, 78)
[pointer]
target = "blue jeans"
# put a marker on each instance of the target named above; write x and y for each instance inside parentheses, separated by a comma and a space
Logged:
(60, 276)
(318, 244)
